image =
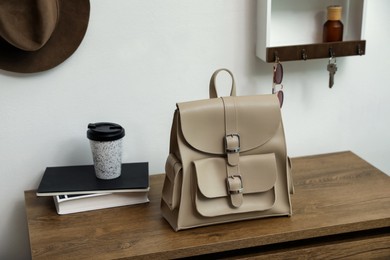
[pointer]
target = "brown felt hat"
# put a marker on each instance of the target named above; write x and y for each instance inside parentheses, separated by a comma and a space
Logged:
(37, 35)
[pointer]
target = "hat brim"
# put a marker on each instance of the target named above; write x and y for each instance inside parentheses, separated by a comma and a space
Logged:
(69, 32)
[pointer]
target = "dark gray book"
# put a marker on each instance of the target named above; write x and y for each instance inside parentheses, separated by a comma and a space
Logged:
(81, 179)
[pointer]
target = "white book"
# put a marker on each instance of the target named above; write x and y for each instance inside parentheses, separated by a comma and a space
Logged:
(67, 204)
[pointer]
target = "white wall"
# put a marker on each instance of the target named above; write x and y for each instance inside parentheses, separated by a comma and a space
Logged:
(141, 57)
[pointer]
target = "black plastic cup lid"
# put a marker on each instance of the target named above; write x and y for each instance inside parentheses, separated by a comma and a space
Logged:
(105, 131)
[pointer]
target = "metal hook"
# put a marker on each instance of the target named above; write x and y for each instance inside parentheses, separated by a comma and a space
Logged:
(359, 50)
(332, 56)
(276, 56)
(331, 53)
(304, 54)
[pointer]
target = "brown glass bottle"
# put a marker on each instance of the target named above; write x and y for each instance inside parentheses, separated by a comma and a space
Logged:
(333, 28)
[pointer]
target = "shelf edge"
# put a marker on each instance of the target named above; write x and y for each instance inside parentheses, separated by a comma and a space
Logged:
(316, 50)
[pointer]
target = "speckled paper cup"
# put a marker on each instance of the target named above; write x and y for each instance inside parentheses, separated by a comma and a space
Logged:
(106, 145)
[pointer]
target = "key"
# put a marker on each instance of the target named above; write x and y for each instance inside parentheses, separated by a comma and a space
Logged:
(332, 68)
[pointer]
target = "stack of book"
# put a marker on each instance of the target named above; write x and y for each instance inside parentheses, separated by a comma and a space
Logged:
(76, 188)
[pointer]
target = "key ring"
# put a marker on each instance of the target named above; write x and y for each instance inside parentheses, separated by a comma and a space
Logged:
(331, 56)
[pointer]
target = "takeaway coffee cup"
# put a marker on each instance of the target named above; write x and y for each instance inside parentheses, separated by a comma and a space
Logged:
(106, 145)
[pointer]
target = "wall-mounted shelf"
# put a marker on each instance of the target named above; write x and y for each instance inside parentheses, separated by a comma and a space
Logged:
(292, 29)
(316, 51)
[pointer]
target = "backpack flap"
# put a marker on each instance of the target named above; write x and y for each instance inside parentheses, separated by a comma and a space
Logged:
(203, 122)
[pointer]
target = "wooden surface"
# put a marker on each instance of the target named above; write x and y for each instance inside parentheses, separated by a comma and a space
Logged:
(341, 208)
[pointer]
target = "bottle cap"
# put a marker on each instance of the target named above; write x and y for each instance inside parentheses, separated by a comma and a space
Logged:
(105, 131)
(334, 12)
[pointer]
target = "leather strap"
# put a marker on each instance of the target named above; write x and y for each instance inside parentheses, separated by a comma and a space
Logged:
(289, 175)
(213, 89)
(232, 146)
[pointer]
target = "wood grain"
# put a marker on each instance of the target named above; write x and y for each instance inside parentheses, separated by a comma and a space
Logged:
(335, 194)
